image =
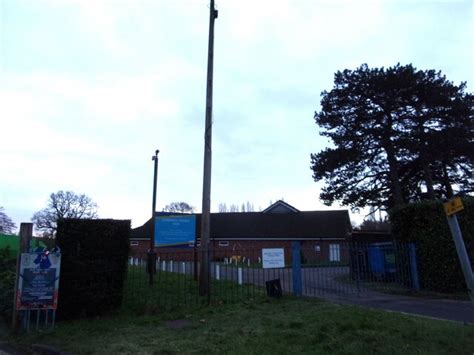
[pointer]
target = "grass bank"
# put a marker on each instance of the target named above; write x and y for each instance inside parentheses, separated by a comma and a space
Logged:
(260, 327)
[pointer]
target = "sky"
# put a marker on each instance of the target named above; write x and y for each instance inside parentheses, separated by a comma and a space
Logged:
(89, 90)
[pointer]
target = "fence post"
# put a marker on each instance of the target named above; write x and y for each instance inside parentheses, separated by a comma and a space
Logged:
(218, 272)
(239, 275)
(413, 267)
(296, 268)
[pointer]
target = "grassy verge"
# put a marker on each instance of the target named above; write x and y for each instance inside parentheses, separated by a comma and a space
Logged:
(171, 291)
(281, 326)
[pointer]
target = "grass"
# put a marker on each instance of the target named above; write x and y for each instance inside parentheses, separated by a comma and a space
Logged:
(11, 242)
(242, 320)
(260, 327)
(171, 291)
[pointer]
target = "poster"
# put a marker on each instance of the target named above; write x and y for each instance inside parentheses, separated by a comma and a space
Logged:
(38, 281)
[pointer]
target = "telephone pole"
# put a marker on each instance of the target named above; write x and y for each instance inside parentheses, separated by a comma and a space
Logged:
(204, 275)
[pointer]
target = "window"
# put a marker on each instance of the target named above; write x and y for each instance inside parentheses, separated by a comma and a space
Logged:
(224, 244)
(334, 252)
(133, 243)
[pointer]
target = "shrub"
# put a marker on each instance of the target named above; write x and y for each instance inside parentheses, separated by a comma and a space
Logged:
(425, 224)
(7, 282)
(93, 266)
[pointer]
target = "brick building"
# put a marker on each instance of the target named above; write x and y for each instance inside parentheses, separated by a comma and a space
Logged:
(322, 234)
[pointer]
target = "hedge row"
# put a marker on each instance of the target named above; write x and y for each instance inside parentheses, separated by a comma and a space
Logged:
(425, 224)
(93, 266)
(7, 283)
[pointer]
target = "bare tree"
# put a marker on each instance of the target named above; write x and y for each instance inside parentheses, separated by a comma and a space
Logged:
(233, 208)
(6, 223)
(179, 207)
(244, 207)
(63, 204)
(249, 207)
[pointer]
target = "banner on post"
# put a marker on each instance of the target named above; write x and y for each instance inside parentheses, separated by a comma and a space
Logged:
(38, 281)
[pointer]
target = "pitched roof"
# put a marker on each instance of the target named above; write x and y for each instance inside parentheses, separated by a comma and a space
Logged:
(251, 225)
(280, 207)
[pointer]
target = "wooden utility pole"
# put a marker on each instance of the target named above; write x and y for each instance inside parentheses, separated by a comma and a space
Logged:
(204, 275)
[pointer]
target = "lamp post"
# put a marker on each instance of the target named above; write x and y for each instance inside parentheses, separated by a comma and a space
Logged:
(151, 261)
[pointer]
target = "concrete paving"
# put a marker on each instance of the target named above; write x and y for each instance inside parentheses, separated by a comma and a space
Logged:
(451, 310)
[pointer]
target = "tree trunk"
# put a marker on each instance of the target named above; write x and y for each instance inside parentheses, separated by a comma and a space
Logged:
(446, 182)
(428, 177)
(394, 178)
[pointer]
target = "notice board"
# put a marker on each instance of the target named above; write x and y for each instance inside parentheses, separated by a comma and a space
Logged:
(38, 281)
(175, 230)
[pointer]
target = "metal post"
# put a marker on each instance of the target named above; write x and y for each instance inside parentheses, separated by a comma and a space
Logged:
(296, 268)
(151, 260)
(462, 254)
(204, 277)
(413, 267)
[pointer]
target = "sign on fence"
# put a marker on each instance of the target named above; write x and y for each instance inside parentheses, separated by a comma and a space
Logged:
(38, 281)
(273, 258)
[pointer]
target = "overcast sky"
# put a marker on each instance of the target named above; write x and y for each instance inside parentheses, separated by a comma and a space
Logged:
(89, 89)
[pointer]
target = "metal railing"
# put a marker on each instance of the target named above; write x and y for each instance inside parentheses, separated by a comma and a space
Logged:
(342, 270)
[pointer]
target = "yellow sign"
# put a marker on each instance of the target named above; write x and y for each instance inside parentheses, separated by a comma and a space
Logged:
(453, 206)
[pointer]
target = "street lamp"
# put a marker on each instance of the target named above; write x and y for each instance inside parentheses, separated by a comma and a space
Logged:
(151, 261)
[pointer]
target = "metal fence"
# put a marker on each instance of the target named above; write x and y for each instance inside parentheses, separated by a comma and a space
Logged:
(345, 270)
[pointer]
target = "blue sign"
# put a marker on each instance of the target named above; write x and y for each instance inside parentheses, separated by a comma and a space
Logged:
(38, 282)
(175, 230)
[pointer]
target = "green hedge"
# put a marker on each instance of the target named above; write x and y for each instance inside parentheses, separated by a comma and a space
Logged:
(10, 242)
(7, 282)
(93, 266)
(425, 224)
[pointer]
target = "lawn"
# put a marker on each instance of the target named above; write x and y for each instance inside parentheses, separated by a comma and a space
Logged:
(260, 327)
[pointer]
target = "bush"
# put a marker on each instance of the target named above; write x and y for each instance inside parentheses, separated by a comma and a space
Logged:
(425, 224)
(7, 282)
(93, 266)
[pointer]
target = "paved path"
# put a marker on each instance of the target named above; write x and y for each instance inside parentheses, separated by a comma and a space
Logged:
(458, 311)
(323, 283)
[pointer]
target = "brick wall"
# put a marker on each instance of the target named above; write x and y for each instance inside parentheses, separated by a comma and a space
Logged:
(313, 251)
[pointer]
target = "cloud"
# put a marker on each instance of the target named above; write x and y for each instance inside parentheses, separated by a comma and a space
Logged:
(89, 90)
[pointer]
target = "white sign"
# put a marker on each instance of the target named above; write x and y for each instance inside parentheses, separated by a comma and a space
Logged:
(273, 258)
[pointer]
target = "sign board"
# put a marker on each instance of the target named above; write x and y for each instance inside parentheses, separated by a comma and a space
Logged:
(175, 230)
(273, 258)
(453, 206)
(38, 281)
